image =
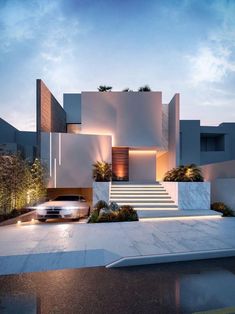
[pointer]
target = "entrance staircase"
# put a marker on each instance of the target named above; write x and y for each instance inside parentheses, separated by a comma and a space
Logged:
(151, 200)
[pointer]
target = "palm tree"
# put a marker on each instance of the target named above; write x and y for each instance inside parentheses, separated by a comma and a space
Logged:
(104, 88)
(144, 88)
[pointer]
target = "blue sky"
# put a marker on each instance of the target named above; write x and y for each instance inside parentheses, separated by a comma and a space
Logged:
(185, 46)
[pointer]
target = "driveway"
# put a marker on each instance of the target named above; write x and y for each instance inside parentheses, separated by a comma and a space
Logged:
(40, 247)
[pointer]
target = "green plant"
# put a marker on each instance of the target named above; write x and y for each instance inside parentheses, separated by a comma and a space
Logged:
(102, 171)
(222, 208)
(99, 205)
(127, 213)
(188, 173)
(144, 88)
(113, 206)
(112, 213)
(107, 217)
(21, 183)
(104, 88)
(94, 216)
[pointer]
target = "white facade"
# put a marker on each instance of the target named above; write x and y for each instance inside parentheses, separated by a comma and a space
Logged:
(102, 120)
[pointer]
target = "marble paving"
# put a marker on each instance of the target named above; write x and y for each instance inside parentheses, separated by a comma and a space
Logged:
(39, 247)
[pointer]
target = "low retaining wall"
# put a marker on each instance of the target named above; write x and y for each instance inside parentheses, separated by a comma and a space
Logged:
(190, 195)
(23, 218)
(101, 191)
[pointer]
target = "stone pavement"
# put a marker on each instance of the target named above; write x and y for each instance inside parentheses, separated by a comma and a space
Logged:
(39, 247)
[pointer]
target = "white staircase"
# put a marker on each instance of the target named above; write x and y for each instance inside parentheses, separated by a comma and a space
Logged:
(151, 200)
(148, 199)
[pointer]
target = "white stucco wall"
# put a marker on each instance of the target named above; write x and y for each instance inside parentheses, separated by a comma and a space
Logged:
(142, 166)
(134, 119)
(71, 158)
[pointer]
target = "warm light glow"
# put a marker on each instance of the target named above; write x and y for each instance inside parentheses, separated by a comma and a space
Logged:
(143, 152)
(179, 218)
(100, 134)
(151, 208)
(120, 172)
(32, 220)
(18, 222)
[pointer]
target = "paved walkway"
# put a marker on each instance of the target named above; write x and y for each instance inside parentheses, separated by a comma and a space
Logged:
(39, 247)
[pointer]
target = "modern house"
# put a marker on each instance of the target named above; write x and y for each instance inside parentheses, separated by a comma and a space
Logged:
(134, 131)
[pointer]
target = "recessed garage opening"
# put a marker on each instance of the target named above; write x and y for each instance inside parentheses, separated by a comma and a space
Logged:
(52, 193)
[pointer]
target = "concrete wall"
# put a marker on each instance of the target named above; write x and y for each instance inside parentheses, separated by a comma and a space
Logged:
(142, 166)
(189, 142)
(72, 107)
(134, 119)
(224, 169)
(70, 157)
(222, 177)
(7, 132)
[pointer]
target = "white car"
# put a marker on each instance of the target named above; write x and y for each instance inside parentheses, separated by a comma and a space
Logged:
(64, 206)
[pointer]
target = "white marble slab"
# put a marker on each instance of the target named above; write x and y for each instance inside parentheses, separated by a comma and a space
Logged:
(38, 247)
(101, 191)
(190, 195)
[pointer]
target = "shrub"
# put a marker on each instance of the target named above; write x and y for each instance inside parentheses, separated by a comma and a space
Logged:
(113, 206)
(144, 88)
(107, 217)
(188, 173)
(94, 216)
(127, 213)
(99, 205)
(102, 171)
(112, 213)
(222, 208)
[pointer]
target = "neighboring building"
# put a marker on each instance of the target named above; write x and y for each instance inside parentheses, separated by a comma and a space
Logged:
(13, 141)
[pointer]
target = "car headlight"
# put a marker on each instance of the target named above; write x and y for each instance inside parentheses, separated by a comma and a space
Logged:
(41, 207)
(70, 207)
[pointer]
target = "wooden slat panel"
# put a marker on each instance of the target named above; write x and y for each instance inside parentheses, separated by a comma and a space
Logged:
(120, 163)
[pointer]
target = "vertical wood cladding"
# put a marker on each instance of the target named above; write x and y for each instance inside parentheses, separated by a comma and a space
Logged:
(120, 163)
(51, 117)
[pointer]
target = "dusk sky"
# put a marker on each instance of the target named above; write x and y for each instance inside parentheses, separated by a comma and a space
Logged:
(185, 46)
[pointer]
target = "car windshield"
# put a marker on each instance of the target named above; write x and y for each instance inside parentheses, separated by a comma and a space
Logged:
(67, 198)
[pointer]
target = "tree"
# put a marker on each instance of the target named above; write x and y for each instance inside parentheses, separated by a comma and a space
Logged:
(144, 88)
(21, 183)
(37, 188)
(14, 181)
(104, 88)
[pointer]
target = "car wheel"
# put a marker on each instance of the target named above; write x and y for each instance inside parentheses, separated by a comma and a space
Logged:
(42, 220)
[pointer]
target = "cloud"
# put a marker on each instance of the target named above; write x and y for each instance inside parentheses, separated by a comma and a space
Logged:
(211, 64)
(36, 41)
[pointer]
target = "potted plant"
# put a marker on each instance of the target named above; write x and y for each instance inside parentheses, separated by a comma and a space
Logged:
(102, 174)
